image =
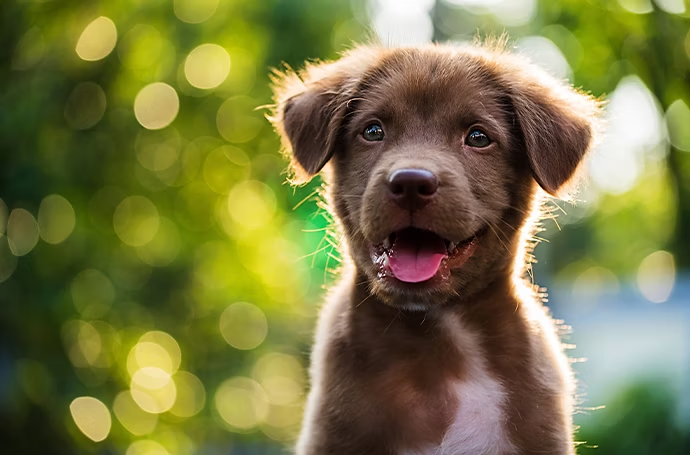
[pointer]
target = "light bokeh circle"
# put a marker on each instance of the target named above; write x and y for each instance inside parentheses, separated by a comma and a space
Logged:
(156, 106)
(207, 66)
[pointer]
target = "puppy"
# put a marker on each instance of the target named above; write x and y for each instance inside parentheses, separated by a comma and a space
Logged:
(433, 342)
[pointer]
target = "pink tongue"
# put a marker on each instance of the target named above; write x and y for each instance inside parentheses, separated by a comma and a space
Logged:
(416, 255)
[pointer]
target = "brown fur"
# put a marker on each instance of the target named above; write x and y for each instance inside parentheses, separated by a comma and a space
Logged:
(393, 361)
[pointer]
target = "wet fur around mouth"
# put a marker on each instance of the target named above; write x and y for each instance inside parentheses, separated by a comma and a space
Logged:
(455, 255)
(436, 354)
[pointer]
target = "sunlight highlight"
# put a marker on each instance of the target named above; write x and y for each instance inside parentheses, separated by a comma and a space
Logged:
(191, 395)
(544, 53)
(136, 221)
(671, 6)
(156, 106)
(252, 204)
(97, 40)
(158, 150)
(22, 232)
(132, 417)
(89, 342)
(637, 6)
(163, 247)
(91, 417)
(8, 261)
(146, 447)
(282, 377)
(402, 23)
(509, 12)
(235, 121)
(82, 342)
(243, 325)
(225, 167)
(633, 136)
(148, 354)
(207, 66)
(656, 276)
(283, 422)
(195, 11)
(155, 349)
(153, 390)
(56, 219)
(241, 403)
(678, 123)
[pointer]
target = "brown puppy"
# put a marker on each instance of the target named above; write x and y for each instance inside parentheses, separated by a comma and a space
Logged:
(432, 343)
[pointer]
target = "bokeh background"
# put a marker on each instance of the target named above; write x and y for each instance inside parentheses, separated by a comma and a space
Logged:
(159, 281)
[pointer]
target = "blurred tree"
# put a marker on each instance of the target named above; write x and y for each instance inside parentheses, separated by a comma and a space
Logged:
(164, 234)
(639, 421)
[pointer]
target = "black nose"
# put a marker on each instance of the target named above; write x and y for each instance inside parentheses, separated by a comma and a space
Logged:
(412, 189)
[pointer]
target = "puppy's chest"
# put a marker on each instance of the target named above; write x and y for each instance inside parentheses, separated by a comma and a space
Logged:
(478, 419)
(478, 425)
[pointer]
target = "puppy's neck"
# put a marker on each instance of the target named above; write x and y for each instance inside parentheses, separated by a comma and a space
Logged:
(492, 293)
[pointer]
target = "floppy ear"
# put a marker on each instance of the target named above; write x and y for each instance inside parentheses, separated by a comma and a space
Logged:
(310, 123)
(310, 108)
(558, 124)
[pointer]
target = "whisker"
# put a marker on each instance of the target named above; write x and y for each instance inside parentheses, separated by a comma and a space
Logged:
(313, 261)
(363, 300)
(523, 211)
(335, 258)
(558, 206)
(499, 238)
(426, 313)
(325, 228)
(311, 254)
(391, 323)
(493, 229)
(326, 269)
(512, 228)
(305, 199)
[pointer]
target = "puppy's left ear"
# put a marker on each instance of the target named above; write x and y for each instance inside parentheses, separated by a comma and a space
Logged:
(558, 124)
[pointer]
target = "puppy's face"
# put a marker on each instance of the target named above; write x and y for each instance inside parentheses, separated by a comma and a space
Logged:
(435, 153)
(424, 177)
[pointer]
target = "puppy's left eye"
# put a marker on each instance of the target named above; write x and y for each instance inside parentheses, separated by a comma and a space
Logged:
(373, 133)
(477, 138)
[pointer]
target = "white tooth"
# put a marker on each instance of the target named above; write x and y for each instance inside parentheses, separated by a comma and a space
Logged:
(451, 247)
(386, 260)
(387, 243)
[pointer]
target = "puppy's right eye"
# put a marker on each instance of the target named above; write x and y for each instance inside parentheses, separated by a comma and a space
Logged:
(373, 133)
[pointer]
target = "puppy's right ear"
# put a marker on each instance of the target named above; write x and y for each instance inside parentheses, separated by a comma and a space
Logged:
(310, 123)
(310, 108)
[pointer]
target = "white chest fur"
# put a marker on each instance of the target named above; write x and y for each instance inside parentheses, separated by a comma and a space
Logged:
(479, 424)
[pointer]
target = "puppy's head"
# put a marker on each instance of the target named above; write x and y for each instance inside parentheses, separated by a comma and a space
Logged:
(436, 154)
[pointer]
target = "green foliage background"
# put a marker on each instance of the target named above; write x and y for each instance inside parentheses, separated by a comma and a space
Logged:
(223, 170)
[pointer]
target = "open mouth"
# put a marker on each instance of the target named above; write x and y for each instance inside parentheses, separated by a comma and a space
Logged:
(414, 255)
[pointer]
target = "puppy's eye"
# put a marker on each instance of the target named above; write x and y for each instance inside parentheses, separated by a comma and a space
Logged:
(373, 132)
(477, 138)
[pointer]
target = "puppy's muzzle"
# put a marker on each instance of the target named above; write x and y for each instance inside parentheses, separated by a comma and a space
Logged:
(412, 189)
